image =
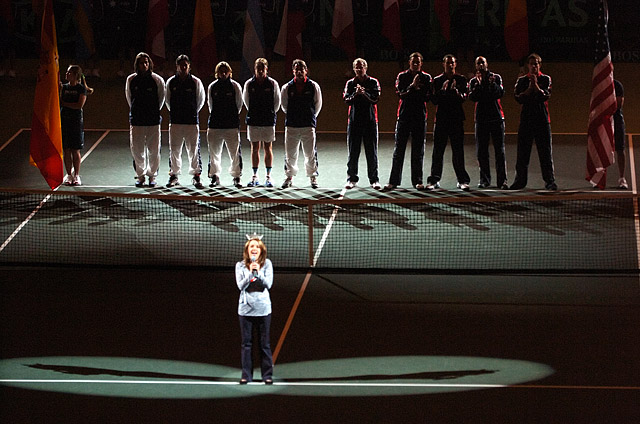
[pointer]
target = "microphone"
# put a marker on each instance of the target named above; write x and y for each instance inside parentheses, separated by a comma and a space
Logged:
(255, 271)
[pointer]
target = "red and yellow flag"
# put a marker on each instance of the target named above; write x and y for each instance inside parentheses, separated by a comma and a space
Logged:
(46, 135)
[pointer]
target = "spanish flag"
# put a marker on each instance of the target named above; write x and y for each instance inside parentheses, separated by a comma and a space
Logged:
(46, 135)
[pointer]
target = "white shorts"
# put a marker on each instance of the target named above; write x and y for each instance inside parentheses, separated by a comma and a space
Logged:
(256, 133)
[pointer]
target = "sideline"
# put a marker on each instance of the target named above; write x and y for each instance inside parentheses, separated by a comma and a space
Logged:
(48, 196)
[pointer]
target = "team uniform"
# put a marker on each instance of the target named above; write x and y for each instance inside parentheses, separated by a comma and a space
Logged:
(145, 94)
(489, 125)
(185, 99)
(301, 102)
(362, 126)
(449, 125)
(411, 122)
(262, 101)
(535, 124)
(254, 311)
(225, 104)
(72, 119)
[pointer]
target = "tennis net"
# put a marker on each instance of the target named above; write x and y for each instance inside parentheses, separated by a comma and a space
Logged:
(568, 232)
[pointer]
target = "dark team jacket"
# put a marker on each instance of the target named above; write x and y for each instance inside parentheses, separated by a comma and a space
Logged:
(449, 101)
(145, 104)
(261, 112)
(362, 108)
(487, 97)
(71, 94)
(413, 100)
(224, 109)
(184, 103)
(301, 110)
(535, 108)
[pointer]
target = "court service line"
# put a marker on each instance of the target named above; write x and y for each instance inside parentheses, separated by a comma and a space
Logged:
(12, 138)
(322, 384)
(47, 197)
(305, 283)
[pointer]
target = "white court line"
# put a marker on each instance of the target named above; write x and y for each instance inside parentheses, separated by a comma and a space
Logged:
(320, 384)
(32, 214)
(12, 138)
(327, 229)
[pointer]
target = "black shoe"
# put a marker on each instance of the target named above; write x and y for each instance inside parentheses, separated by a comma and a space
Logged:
(517, 186)
(551, 187)
(268, 381)
(483, 184)
(215, 181)
(196, 182)
(173, 181)
(244, 381)
(236, 182)
(503, 186)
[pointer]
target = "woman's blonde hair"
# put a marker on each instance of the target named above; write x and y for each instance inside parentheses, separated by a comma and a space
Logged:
(77, 70)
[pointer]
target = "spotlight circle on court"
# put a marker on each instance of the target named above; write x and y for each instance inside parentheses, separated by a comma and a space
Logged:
(343, 377)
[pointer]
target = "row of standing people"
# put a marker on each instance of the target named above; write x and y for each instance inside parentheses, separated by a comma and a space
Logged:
(301, 100)
(415, 88)
(184, 95)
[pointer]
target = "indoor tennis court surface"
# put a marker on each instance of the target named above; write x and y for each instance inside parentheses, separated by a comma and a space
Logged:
(161, 344)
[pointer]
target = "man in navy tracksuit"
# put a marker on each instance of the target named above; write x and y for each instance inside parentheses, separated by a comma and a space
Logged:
(361, 93)
(532, 91)
(185, 98)
(449, 92)
(301, 101)
(486, 90)
(413, 87)
(225, 103)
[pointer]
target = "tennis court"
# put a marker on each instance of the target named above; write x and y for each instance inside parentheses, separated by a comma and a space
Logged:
(139, 323)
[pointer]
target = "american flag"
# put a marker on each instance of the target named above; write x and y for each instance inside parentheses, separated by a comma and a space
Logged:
(600, 143)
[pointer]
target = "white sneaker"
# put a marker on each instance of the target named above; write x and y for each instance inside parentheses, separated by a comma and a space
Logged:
(349, 185)
(77, 181)
(432, 186)
(68, 180)
(376, 186)
(463, 186)
(622, 184)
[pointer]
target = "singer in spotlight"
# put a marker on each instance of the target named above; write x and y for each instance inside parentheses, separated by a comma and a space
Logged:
(254, 277)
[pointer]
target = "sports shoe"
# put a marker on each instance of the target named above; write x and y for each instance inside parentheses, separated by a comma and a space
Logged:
(314, 181)
(349, 185)
(236, 182)
(551, 187)
(432, 186)
(215, 181)
(483, 184)
(68, 180)
(419, 186)
(288, 182)
(173, 181)
(254, 182)
(196, 182)
(152, 182)
(463, 186)
(622, 184)
(76, 181)
(268, 183)
(140, 181)
(389, 187)
(503, 186)
(376, 186)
